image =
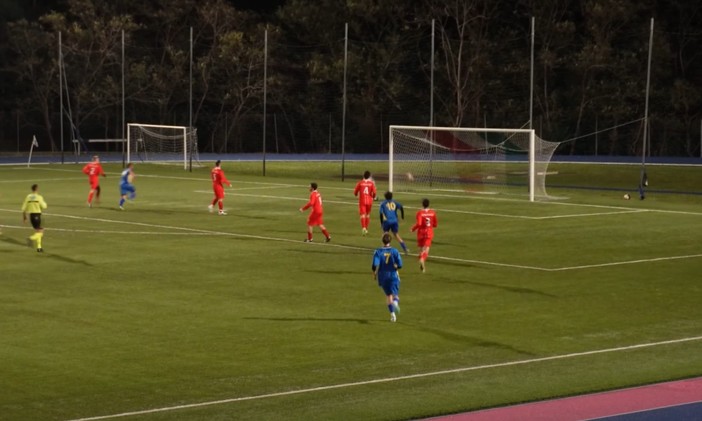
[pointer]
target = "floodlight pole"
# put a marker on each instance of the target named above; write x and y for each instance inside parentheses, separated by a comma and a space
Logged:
(265, 94)
(60, 65)
(431, 79)
(431, 103)
(343, 116)
(648, 84)
(643, 179)
(190, 105)
(531, 76)
(124, 121)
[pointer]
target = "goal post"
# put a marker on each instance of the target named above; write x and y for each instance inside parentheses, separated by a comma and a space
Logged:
(497, 161)
(162, 144)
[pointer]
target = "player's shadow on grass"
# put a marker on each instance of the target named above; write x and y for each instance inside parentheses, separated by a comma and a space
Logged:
(513, 289)
(332, 251)
(309, 319)
(13, 242)
(466, 339)
(518, 290)
(45, 254)
(67, 259)
(340, 272)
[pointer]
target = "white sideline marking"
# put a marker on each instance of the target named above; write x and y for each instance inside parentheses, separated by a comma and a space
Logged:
(393, 379)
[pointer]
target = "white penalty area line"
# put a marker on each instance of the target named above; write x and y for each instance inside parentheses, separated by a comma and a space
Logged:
(627, 262)
(395, 379)
(566, 268)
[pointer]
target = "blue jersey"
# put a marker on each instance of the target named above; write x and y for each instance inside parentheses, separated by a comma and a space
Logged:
(389, 209)
(125, 187)
(388, 215)
(124, 178)
(387, 260)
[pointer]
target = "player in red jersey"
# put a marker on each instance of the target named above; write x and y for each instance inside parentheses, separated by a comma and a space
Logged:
(426, 222)
(316, 215)
(365, 190)
(94, 171)
(218, 182)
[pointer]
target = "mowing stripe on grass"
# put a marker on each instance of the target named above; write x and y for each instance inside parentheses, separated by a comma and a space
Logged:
(196, 231)
(393, 379)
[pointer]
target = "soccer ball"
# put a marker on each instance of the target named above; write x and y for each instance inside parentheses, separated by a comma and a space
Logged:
(410, 177)
(626, 196)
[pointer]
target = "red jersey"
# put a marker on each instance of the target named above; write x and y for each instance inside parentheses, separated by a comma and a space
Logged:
(315, 202)
(365, 190)
(426, 222)
(93, 170)
(218, 178)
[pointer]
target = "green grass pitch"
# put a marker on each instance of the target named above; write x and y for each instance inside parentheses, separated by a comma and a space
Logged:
(166, 312)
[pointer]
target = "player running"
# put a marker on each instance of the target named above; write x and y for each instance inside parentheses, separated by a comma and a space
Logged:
(94, 170)
(386, 263)
(365, 191)
(426, 222)
(388, 218)
(125, 185)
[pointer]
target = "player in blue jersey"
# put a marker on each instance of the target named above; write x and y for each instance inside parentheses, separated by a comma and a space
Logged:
(386, 263)
(388, 218)
(126, 186)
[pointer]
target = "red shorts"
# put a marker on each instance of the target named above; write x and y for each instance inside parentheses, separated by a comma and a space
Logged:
(364, 209)
(218, 191)
(315, 219)
(94, 183)
(423, 240)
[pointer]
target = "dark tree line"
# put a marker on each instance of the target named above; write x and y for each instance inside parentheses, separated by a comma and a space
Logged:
(589, 71)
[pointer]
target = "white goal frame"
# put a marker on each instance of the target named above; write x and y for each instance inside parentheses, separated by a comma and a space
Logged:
(531, 152)
(131, 146)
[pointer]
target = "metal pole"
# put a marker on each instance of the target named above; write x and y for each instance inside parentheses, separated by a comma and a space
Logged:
(532, 140)
(190, 132)
(124, 122)
(343, 116)
(265, 92)
(531, 77)
(648, 84)
(431, 89)
(60, 63)
(431, 102)
(643, 181)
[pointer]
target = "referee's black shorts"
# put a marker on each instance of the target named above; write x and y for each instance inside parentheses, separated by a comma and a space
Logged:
(35, 219)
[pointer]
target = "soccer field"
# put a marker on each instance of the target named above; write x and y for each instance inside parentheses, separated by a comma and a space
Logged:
(165, 311)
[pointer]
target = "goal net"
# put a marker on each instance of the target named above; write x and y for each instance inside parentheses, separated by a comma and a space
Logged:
(162, 144)
(508, 162)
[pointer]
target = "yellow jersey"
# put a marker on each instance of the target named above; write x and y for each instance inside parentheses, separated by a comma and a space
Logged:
(33, 203)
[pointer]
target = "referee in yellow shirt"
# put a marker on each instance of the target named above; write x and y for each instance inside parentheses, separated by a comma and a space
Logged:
(33, 204)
